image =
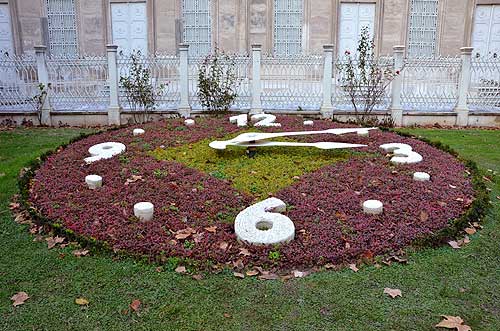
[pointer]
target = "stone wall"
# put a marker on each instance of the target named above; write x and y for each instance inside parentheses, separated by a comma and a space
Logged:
(237, 24)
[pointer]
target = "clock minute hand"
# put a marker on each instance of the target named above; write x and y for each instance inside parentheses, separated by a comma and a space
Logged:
(256, 136)
(320, 145)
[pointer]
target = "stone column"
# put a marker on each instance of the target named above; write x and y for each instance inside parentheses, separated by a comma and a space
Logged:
(184, 107)
(256, 106)
(114, 104)
(463, 87)
(326, 105)
(396, 108)
(43, 78)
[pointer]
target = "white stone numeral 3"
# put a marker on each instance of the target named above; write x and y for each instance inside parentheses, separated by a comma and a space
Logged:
(403, 153)
(266, 120)
(261, 223)
(104, 151)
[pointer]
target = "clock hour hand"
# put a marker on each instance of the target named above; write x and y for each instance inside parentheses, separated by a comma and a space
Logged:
(320, 145)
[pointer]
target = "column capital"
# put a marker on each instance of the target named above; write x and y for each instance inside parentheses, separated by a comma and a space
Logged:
(466, 50)
(256, 47)
(183, 47)
(40, 48)
(328, 48)
(112, 48)
(398, 48)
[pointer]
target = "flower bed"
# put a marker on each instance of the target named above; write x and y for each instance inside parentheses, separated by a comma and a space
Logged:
(197, 192)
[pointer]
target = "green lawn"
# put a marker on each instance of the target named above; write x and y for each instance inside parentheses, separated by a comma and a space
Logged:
(463, 282)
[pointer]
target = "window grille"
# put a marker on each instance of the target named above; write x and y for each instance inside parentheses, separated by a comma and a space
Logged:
(422, 28)
(62, 27)
(197, 26)
(288, 27)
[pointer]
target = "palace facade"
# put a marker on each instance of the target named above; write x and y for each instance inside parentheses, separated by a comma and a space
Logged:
(282, 27)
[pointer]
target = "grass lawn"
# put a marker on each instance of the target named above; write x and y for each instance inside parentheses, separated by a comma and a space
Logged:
(463, 282)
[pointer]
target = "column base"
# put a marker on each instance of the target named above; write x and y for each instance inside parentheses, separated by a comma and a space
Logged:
(462, 117)
(184, 112)
(326, 112)
(45, 118)
(397, 117)
(114, 117)
(255, 111)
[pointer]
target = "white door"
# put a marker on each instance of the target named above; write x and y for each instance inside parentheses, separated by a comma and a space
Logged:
(6, 40)
(486, 31)
(353, 17)
(129, 26)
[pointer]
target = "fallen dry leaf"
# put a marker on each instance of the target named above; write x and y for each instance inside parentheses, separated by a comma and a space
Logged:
(353, 267)
(251, 273)
(135, 305)
(14, 205)
(244, 252)
(470, 231)
(453, 322)
(53, 241)
(180, 269)
(329, 266)
(392, 292)
(80, 252)
(424, 216)
(19, 298)
(81, 301)
(238, 264)
(226, 315)
(184, 233)
(454, 244)
(133, 179)
(268, 276)
(238, 275)
(223, 245)
(211, 229)
(198, 277)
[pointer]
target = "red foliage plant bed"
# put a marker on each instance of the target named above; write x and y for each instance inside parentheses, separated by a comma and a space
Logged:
(325, 205)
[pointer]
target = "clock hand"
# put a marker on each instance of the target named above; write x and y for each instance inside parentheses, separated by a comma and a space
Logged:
(255, 136)
(320, 145)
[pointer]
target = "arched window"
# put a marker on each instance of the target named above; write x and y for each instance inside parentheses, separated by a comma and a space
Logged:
(422, 27)
(288, 20)
(61, 22)
(197, 28)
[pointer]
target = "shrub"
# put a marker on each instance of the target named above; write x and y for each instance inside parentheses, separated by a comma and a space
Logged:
(140, 89)
(217, 82)
(365, 78)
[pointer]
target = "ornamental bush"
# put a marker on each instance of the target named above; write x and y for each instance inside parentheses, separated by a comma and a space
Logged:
(217, 82)
(365, 79)
(140, 88)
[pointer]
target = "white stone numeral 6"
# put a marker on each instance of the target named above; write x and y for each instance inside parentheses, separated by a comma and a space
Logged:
(266, 120)
(261, 223)
(403, 153)
(104, 151)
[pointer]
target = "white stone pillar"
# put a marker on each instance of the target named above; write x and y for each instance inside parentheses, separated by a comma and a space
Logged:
(184, 107)
(396, 108)
(326, 105)
(256, 106)
(463, 87)
(43, 78)
(114, 104)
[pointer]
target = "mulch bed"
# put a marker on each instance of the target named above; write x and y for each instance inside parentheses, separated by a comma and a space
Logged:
(325, 205)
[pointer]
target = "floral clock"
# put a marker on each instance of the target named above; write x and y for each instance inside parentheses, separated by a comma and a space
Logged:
(305, 199)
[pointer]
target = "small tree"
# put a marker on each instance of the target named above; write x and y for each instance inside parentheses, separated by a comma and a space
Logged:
(140, 90)
(217, 82)
(38, 100)
(364, 78)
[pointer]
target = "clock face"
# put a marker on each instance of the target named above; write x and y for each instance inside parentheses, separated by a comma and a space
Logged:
(201, 194)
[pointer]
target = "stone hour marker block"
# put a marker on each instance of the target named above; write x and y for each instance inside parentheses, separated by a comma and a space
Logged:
(308, 123)
(261, 224)
(189, 122)
(373, 207)
(144, 211)
(93, 181)
(138, 132)
(421, 176)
